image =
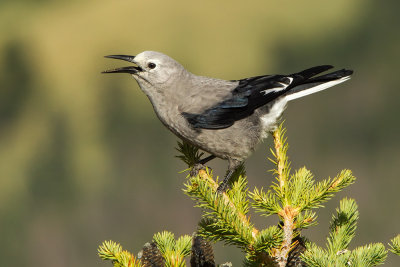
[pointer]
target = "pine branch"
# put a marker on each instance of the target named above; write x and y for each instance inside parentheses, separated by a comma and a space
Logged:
(315, 256)
(369, 255)
(325, 190)
(265, 202)
(395, 245)
(224, 219)
(281, 254)
(343, 226)
(285, 210)
(188, 153)
(293, 197)
(173, 251)
(225, 216)
(110, 250)
(281, 161)
(342, 230)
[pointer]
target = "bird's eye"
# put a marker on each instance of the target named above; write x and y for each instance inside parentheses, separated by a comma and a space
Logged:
(151, 65)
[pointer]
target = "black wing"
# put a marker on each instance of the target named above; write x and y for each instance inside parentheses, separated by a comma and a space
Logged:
(250, 94)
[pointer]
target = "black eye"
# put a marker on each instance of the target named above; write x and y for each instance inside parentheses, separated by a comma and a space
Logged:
(151, 65)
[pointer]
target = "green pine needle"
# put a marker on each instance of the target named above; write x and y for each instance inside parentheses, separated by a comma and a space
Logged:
(306, 219)
(291, 196)
(325, 190)
(267, 239)
(343, 226)
(395, 245)
(224, 216)
(315, 256)
(300, 187)
(238, 195)
(189, 154)
(369, 255)
(265, 202)
(281, 161)
(165, 241)
(342, 230)
(184, 245)
(173, 251)
(111, 250)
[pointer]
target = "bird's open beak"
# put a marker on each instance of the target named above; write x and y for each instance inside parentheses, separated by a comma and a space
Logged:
(130, 69)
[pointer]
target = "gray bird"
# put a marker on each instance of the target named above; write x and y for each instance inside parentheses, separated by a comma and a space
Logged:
(224, 118)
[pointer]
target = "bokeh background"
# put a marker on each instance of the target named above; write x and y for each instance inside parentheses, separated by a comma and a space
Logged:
(84, 159)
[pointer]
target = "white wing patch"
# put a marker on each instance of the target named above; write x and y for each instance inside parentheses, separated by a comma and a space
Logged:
(277, 89)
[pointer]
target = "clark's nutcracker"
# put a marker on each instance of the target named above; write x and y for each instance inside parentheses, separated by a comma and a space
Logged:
(225, 118)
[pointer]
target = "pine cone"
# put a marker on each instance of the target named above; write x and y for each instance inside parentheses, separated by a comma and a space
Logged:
(202, 253)
(150, 256)
(294, 259)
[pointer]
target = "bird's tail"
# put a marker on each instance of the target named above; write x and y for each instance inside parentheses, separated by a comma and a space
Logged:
(305, 83)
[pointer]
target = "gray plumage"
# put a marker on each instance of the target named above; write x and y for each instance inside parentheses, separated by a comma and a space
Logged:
(225, 118)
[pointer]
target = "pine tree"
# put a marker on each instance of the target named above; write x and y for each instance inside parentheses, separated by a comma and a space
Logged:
(292, 196)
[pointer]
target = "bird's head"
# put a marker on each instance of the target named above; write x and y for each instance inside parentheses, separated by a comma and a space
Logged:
(152, 68)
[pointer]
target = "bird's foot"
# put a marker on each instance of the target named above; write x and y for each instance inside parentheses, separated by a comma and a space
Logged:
(223, 187)
(201, 165)
(196, 168)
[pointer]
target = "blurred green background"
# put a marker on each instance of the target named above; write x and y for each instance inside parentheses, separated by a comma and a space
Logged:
(83, 158)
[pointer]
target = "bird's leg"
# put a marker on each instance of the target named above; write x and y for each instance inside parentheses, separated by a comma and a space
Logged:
(200, 165)
(225, 183)
(232, 167)
(206, 159)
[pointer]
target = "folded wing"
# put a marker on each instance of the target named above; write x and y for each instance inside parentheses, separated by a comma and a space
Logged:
(254, 92)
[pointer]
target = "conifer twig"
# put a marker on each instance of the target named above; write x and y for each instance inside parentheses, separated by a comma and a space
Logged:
(395, 245)
(111, 250)
(214, 185)
(226, 217)
(282, 168)
(282, 254)
(288, 213)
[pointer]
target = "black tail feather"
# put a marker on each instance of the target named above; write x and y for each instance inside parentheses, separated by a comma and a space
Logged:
(331, 76)
(308, 73)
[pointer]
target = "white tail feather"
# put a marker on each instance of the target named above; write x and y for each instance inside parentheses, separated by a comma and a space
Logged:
(315, 89)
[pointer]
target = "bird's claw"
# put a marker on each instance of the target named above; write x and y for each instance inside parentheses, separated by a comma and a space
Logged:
(196, 168)
(223, 187)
